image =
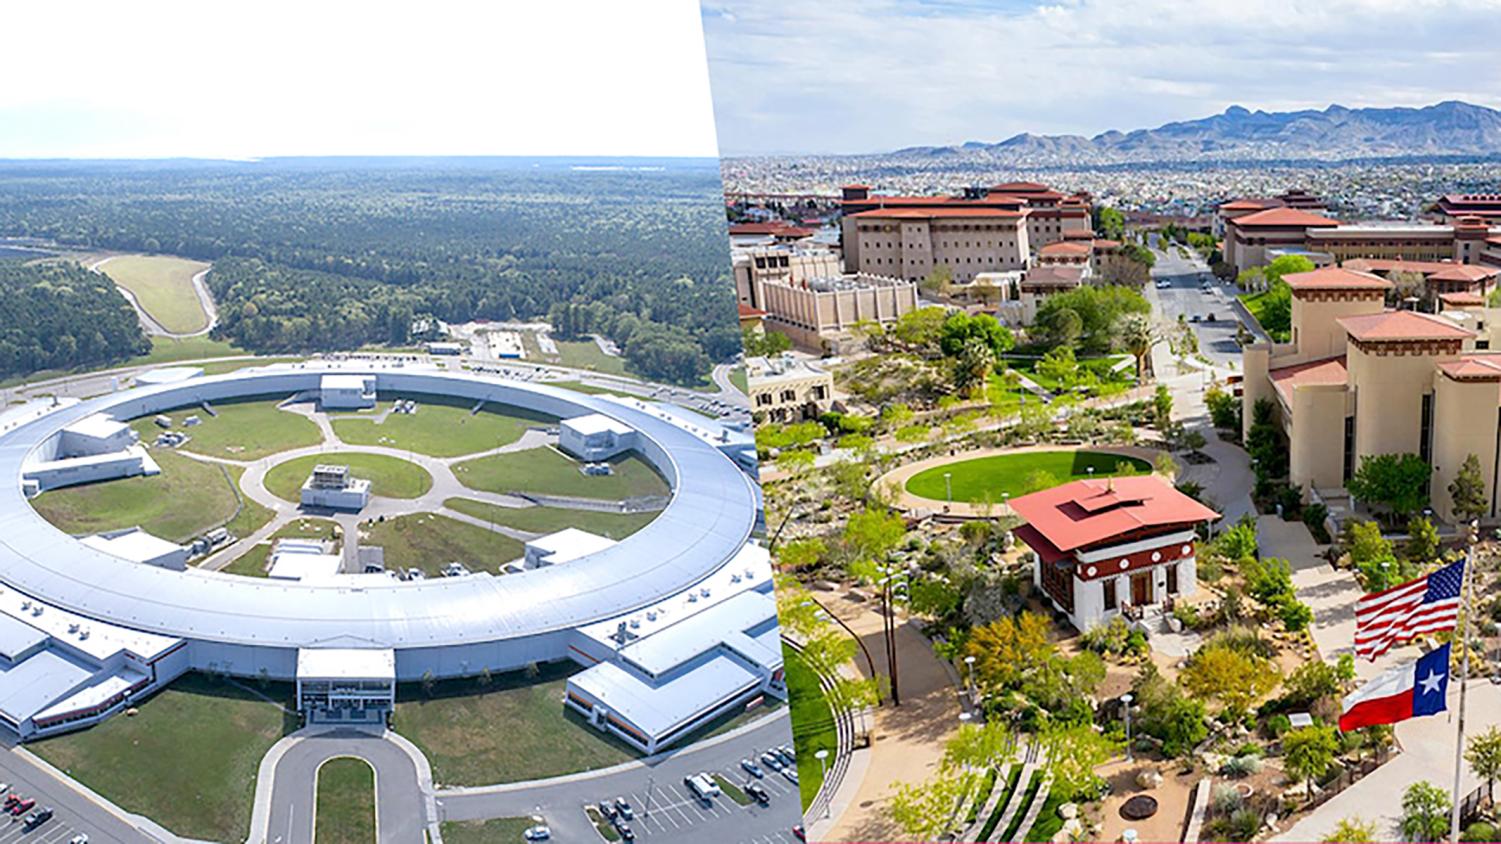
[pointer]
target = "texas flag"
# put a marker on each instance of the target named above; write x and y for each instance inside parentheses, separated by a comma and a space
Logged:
(1406, 691)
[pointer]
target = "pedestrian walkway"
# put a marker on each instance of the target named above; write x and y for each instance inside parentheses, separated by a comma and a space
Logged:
(1034, 810)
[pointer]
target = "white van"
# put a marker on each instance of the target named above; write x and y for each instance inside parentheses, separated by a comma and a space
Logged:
(702, 785)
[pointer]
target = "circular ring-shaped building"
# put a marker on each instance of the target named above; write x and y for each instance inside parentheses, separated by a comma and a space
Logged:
(437, 628)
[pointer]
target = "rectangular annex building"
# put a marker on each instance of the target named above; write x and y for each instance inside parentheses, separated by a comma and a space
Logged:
(346, 685)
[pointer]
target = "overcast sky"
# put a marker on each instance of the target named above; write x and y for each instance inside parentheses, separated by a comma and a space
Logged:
(842, 76)
(435, 77)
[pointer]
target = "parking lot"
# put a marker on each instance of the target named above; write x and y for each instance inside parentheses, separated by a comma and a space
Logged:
(56, 831)
(671, 812)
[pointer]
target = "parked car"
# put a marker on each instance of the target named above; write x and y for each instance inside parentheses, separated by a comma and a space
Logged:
(607, 809)
(537, 833)
(758, 792)
(771, 761)
(79, 839)
(797, 832)
(624, 808)
(38, 818)
(23, 806)
(788, 754)
(791, 774)
(752, 768)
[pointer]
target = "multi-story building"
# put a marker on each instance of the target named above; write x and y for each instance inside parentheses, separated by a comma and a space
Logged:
(787, 389)
(1297, 199)
(1451, 207)
(1359, 380)
(1111, 546)
(984, 230)
(805, 294)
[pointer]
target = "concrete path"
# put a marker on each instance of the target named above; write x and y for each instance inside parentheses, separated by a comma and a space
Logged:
(1033, 810)
(1014, 803)
(997, 791)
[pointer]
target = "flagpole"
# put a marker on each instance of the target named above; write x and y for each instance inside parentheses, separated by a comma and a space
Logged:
(1464, 677)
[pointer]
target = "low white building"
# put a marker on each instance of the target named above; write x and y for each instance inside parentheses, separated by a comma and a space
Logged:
(97, 434)
(595, 437)
(346, 685)
(303, 568)
(658, 675)
(167, 375)
(138, 546)
(563, 546)
(68, 471)
(450, 349)
(333, 488)
(346, 392)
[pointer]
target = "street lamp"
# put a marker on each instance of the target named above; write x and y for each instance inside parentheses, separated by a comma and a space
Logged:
(889, 591)
(1126, 700)
(948, 487)
(969, 662)
(821, 755)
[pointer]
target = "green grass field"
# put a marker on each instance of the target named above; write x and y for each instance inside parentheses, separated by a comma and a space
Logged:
(346, 802)
(485, 832)
(1102, 367)
(221, 367)
(391, 477)
(740, 379)
(163, 285)
(165, 350)
(458, 728)
(429, 542)
(186, 499)
(812, 723)
(585, 354)
(1010, 474)
(553, 519)
(441, 427)
(252, 515)
(248, 429)
(549, 472)
(252, 563)
(187, 760)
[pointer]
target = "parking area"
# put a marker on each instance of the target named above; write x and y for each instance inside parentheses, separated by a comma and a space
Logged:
(13, 830)
(669, 811)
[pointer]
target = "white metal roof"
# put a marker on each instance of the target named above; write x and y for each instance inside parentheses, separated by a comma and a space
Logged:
(569, 544)
(136, 545)
(168, 375)
(658, 708)
(32, 685)
(705, 524)
(302, 566)
(346, 663)
(596, 423)
(97, 426)
(344, 382)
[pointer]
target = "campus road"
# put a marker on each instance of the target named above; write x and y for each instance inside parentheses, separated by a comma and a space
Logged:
(1184, 296)
(399, 811)
(664, 810)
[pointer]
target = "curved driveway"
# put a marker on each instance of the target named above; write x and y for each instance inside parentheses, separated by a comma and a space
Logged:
(400, 808)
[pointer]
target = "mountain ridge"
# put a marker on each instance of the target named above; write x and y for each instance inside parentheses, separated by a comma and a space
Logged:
(1335, 133)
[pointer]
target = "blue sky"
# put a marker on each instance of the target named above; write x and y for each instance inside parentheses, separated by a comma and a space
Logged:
(289, 77)
(843, 76)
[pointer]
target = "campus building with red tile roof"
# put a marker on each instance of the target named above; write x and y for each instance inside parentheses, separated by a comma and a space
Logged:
(1109, 546)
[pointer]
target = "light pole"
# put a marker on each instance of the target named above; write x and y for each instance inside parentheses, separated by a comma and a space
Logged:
(948, 487)
(1126, 699)
(969, 663)
(821, 755)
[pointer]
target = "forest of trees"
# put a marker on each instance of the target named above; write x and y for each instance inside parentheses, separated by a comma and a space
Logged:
(60, 316)
(324, 254)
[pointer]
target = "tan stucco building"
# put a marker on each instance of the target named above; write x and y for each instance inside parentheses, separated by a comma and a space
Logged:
(805, 294)
(1255, 238)
(786, 389)
(1360, 380)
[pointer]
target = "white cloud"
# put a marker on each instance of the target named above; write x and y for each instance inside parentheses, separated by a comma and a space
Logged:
(583, 77)
(868, 75)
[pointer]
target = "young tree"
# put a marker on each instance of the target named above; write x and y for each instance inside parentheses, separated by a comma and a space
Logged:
(1484, 755)
(1162, 407)
(1073, 752)
(925, 811)
(1235, 679)
(939, 282)
(1007, 649)
(1425, 812)
(1352, 831)
(1467, 491)
(871, 534)
(1137, 336)
(1422, 541)
(1308, 752)
(1397, 481)
(800, 553)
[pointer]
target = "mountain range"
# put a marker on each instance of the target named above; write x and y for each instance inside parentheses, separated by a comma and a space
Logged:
(1336, 133)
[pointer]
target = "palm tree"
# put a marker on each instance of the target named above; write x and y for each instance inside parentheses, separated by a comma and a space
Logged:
(1138, 336)
(973, 365)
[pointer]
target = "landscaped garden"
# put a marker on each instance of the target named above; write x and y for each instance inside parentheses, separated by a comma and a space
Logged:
(1017, 473)
(553, 519)
(812, 723)
(187, 759)
(245, 429)
(429, 542)
(548, 471)
(390, 477)
(440, 426)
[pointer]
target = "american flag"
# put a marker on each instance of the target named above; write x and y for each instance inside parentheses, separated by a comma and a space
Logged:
(1396, 615)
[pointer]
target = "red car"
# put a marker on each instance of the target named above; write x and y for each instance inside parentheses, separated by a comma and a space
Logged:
(22, 807)
(798, 831)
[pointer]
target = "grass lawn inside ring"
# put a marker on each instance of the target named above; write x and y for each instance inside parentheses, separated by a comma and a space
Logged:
(391, 477)
(1001, 475)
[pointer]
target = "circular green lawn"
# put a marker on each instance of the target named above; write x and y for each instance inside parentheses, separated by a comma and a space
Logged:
(388, 476)
(1014, 474)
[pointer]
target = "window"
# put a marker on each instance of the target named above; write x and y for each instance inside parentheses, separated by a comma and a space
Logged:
(1425, 430)
(1348, 470)
(1110, 599)
(1172, 579)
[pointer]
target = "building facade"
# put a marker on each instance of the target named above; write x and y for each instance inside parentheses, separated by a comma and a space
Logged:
(1112, 546)
(786, 389)
(1360, 380)
(804, 294)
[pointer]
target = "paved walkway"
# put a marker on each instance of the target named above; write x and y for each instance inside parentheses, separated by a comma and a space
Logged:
(907, 740)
